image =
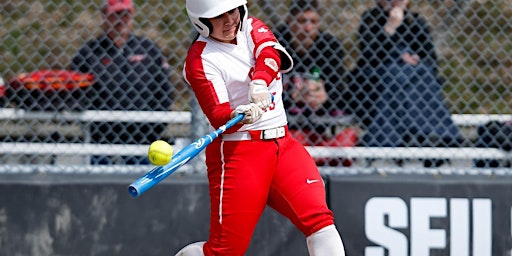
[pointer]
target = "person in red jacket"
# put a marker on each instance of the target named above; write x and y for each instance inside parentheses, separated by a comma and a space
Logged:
(234, 66)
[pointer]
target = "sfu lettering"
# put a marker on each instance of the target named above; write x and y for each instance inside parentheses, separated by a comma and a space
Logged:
(469, 228)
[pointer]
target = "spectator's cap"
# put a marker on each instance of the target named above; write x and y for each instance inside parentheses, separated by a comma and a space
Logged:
(113, 6)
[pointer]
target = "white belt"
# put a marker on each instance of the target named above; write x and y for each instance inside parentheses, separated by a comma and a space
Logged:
(267, 134)
(236, 136)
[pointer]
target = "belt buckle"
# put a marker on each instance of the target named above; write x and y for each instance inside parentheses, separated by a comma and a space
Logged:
(273, 133)
(269, 134)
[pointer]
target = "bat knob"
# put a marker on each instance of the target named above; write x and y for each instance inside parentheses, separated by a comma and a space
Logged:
(133, 191)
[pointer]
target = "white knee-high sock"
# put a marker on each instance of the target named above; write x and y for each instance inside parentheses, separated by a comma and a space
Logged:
(325, 242)
(195, 249)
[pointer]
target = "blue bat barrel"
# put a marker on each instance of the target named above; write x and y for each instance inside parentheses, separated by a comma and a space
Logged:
(159, 173)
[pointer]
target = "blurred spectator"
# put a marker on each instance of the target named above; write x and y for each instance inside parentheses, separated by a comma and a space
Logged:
(312, 94)
(396, 80)
(130, 74)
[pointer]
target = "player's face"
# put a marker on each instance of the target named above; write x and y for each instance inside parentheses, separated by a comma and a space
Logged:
(225, 26)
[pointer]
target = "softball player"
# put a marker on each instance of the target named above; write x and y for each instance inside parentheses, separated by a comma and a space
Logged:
(233, 67)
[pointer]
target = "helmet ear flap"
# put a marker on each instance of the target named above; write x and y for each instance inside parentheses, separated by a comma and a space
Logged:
(202, 25)
(208, 25)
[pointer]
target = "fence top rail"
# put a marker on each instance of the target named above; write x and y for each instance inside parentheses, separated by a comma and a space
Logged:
(178, 117)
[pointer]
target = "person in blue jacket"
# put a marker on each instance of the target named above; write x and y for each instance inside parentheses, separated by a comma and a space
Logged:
(399, 65)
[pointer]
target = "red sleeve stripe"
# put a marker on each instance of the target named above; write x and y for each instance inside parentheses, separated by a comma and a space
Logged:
(218, 114)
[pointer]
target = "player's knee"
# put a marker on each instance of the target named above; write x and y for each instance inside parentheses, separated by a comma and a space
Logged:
(316, 222)
(194, 249)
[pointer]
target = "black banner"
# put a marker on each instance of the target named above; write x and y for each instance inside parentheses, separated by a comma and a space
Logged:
(423, 215)
(94, 215)
(393, 215)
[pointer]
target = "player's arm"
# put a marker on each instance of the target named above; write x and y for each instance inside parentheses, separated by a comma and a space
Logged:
(265, 41)
(212, 99)
(269, 61)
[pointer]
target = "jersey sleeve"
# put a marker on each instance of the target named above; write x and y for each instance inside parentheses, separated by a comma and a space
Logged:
(204, 78)
(263, 37)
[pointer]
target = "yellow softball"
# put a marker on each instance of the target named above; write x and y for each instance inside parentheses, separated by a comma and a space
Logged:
(160, 152)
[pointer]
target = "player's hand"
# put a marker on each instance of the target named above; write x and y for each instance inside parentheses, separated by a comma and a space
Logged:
(259, 93)
(251, 111)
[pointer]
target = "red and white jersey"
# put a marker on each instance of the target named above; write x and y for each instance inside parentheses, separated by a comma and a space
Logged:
(219, 73)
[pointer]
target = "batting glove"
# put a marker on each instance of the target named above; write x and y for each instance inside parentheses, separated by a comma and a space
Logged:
(251, 111)
(259, 93)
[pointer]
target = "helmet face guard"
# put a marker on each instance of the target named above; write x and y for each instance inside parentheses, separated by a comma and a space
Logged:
(199, 11)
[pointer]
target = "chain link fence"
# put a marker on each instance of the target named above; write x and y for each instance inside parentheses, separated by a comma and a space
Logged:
(471, 40)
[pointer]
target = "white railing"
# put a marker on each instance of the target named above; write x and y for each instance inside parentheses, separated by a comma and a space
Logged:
(183, 117)
(463, 153)
(176, 117)
(83, 151)
(478, 119)
(78, 149)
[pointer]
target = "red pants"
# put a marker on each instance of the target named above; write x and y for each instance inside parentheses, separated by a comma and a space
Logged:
(245, 176)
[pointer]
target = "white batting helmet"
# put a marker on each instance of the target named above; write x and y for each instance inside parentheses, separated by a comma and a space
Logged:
(199, 11)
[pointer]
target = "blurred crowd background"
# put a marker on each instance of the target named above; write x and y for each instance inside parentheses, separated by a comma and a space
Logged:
(473, 42)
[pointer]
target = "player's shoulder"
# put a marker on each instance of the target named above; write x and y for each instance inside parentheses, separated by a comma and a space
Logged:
(253, 18)
(255, 21)
(197, 47)
(195, 50)
(258, 30)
